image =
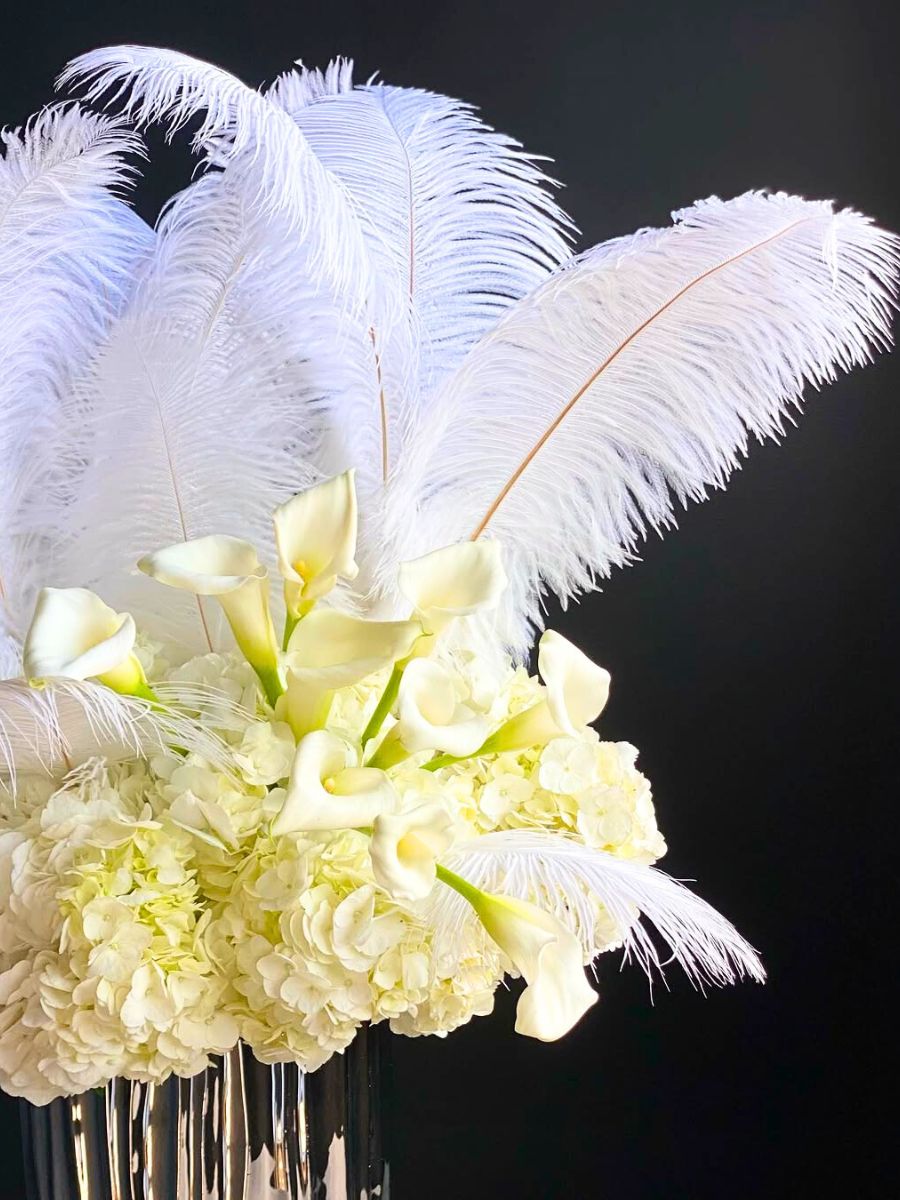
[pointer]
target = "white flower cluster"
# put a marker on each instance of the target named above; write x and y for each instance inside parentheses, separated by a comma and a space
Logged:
(271, 875)
(150, 917)
(103, 943)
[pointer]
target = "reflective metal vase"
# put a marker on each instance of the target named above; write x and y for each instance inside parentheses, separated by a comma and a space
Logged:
(239, 1131)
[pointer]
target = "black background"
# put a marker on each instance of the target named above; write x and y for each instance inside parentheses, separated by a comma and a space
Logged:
(754, 652)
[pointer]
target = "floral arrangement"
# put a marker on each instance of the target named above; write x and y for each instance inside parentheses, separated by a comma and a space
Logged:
(232, 812)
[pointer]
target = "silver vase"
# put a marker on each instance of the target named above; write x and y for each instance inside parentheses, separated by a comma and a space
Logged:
(239, 1131)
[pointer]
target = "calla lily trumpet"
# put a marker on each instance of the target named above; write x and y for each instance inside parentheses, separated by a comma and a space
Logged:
(315, 535)
(329, 790)
(329, 650)
(405, 849)
(577, 690)
(75, 635)
(547, 954)
(229, 569)
(431, 717)
(456, 581)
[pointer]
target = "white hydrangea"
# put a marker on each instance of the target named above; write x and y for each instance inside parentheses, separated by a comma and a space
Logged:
(104, 968)
(149, 917)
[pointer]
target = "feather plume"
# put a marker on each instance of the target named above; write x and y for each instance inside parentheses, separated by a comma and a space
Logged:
(566, 878)
(240, 128)
(68, 249)
(459, 215)
(49, 730)
(631, 381)
(189, 422)
(458, 223)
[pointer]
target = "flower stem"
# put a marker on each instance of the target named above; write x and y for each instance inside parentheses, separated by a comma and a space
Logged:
(444, 760)
(144, 691)
(389, 753)
(467, 890)
(271, 682)
(385, 704)
(290, 624)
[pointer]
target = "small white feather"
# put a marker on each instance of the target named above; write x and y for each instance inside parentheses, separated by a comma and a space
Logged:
(566, 878)
(50, 730)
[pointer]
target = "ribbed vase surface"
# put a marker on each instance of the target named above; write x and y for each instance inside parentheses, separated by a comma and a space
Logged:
(239, 1131)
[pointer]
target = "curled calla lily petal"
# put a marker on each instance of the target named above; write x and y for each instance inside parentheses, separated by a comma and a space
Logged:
(229, 569)
(453, 582)
(315, 534)
(74, 635)
(405, 848)
(577, 689)
(431, 716)
(547, 955)
(329, 650)
(329, 790)
(576, 693)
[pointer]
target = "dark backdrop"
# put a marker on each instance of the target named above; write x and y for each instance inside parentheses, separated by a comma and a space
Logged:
(754, 651)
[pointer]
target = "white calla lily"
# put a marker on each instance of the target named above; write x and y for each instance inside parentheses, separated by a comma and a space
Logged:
(545, 953)
(329, 650)
(577, 688)
(329, 790)
(229, 569)
(75, 635)
(577, 691)
(315, 535)
(455, 581)
(431, 717)
(405, 848)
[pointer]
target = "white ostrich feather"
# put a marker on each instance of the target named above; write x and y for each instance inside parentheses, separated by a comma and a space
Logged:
(240, 128)
(632, 380)
(459, 216)
(189, 422)
(567, 878)
(68, 249)
(458, 223)
(50, 730)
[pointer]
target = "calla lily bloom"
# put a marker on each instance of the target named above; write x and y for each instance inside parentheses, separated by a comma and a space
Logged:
(315, 534)
(405, 848)
(577, 692)
(329, 650)
(455, 581)
(74, 635)
(229, 569)
(329, 790)
(543, 951)
(431, 717)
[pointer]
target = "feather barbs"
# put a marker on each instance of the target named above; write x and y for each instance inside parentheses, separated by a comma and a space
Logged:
(607, 362)
(632, 379)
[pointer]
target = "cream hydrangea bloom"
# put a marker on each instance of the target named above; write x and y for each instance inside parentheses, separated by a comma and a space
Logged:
(111, 974)
(191, 920)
